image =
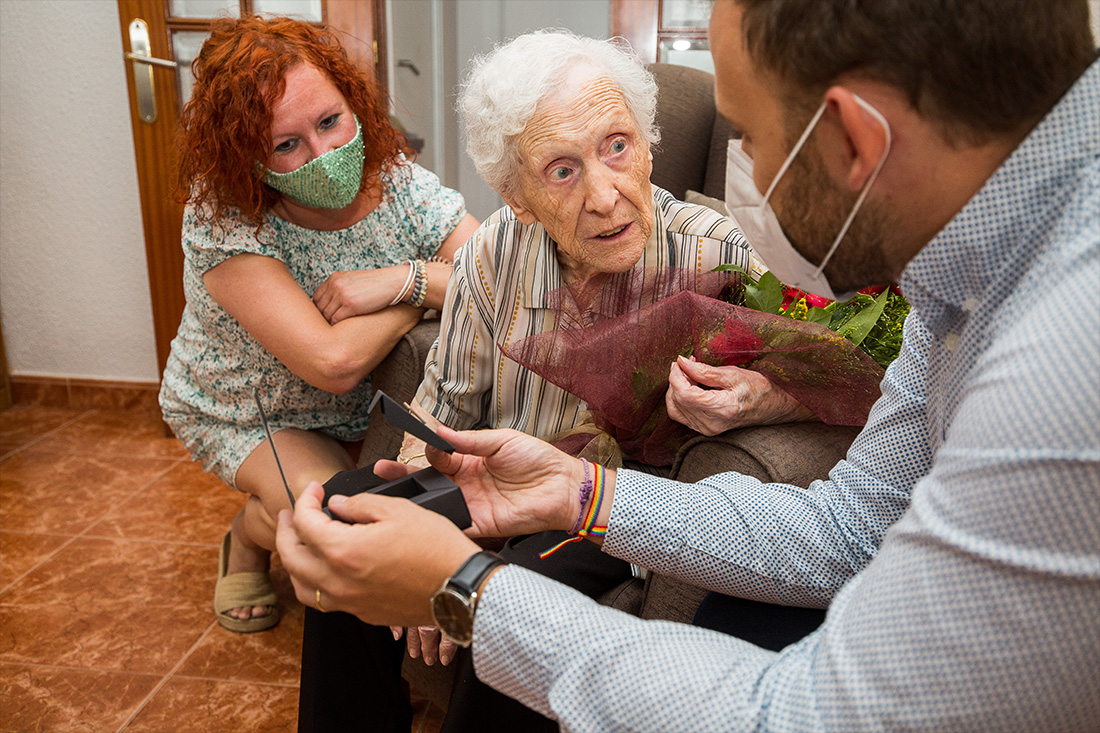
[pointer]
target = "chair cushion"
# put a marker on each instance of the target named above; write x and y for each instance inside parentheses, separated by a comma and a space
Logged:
(694, 197)
(794, 453)
(714, 181)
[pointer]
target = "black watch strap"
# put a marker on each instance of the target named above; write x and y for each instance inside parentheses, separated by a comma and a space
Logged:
(469, 576)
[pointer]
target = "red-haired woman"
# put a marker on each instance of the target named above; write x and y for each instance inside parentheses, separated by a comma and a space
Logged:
(311, 246)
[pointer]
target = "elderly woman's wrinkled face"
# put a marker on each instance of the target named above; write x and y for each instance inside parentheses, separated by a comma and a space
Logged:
(584, 175)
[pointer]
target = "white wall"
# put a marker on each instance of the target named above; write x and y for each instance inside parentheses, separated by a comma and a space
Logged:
(480, 25)
(74, 292)
(1094, 19)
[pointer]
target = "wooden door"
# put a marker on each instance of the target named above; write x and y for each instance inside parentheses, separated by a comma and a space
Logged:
(173, 28)
(668, 31)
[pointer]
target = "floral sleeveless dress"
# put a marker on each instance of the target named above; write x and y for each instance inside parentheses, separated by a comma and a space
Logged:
(206, 392)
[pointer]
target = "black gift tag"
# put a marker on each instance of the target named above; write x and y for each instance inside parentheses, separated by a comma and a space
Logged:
(401, 418)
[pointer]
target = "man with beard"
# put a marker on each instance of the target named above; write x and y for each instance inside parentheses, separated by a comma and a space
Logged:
(951, 147)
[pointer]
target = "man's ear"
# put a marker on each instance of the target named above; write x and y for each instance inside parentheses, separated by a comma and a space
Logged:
(866, 140)
(523, 214)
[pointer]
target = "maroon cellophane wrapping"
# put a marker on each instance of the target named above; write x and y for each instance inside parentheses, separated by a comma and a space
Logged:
(616, 357)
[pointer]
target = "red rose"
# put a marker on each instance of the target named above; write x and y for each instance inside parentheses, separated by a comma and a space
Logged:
(816, 301)
(737, 344)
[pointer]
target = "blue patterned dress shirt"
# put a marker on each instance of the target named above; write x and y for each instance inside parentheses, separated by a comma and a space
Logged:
(957, 547)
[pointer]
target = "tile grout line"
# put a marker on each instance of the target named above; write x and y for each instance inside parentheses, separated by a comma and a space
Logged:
(83, 414)
(171, 467)
(164, 680)
(85, 532)
(40, 563)
(72, 538)
(203, 678)
(158, 682)
(146, 540)
(100, 454)
(48, 433)
(71, 668)
(202, 637)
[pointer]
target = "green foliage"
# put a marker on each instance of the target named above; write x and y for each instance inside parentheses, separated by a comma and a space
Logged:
(873, 323)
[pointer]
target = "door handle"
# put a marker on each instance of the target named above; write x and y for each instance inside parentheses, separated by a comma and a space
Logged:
(143, 62)
(151, 60)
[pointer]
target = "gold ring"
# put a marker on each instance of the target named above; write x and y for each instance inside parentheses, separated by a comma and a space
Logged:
(409, 459)
(317, 598)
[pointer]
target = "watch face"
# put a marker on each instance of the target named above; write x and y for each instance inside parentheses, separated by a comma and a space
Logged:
(453, 616)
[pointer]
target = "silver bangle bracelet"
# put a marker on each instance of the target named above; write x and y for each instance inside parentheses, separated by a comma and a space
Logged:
(402, 294)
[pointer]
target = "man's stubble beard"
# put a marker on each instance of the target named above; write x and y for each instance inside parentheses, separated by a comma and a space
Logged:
(812, 210)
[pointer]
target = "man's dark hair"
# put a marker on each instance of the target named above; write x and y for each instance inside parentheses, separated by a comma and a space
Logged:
(981, 68)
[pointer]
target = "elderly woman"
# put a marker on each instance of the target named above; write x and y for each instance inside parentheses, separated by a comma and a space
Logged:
(567, 143)
(306, 238)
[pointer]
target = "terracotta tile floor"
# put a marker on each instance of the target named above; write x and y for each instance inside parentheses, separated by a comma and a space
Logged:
(109, 541)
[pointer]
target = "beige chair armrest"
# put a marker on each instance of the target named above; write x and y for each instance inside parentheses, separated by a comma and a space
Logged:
(399, 375)
(795, 453)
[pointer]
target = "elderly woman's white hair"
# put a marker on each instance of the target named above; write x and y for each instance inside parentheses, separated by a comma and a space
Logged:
(503, 89)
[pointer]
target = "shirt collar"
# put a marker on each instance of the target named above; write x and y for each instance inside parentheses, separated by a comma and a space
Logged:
(960, 262)
(543, 272)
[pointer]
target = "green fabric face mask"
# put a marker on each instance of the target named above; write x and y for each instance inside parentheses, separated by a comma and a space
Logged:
(329, 181)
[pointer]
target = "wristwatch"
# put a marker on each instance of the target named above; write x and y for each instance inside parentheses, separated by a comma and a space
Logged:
(454, 604)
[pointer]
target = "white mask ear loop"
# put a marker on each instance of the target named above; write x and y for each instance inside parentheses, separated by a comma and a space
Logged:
(794, 151)
(867, 186)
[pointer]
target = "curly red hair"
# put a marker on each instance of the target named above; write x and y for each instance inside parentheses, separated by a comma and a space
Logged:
(226, 125)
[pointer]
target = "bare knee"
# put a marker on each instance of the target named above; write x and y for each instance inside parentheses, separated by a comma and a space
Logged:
(304, 456)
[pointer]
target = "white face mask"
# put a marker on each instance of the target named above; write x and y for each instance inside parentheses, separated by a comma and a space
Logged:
(757, 220)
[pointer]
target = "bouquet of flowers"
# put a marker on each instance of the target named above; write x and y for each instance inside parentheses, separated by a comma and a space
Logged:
(872, 320)
(619, 361)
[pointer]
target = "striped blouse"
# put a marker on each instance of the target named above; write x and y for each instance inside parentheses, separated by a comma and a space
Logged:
(500, 293)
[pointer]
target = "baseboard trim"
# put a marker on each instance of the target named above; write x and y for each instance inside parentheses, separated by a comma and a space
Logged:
(85, 394)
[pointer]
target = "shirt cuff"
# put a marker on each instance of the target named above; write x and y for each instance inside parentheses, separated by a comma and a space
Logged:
(592, 667)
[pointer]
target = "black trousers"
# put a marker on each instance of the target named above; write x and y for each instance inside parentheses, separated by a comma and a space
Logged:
(767, 626)
(351, 672)
(351, 677)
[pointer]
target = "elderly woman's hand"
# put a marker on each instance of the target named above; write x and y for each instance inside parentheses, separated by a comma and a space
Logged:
(712, 400)
(359, 292)
(428, 642)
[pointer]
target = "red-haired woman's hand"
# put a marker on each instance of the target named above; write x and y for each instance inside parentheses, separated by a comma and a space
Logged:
(359, 292)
